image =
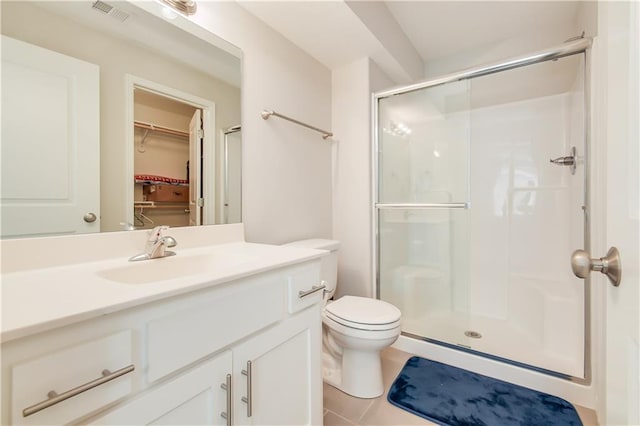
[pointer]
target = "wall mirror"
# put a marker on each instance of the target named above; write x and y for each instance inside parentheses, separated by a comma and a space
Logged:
(115, 116)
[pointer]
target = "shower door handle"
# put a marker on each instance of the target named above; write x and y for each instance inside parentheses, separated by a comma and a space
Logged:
(582, 264)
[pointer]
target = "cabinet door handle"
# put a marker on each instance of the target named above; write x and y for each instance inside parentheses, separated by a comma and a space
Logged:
(247, 399)
(55, 398)
(227, 415)
(314, 289)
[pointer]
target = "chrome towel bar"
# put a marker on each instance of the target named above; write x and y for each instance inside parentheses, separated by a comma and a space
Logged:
(267, 113)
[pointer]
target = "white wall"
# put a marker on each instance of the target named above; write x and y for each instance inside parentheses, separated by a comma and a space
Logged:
(351, 194)
(286, 168)
(352, 86)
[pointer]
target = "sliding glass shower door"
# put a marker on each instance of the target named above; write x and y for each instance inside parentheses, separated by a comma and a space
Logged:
(423, 192)
(475, 224)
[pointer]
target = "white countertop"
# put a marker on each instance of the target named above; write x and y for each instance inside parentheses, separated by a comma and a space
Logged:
(43, 299)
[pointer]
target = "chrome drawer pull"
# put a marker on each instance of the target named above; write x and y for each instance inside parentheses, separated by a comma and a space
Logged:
(247, 399)
(227, 414)
(55, 398)
(314, 289)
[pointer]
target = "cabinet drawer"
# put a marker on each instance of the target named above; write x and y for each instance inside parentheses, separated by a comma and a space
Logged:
(206, 323)
(65, 372)
(303, 287)
(166, 193)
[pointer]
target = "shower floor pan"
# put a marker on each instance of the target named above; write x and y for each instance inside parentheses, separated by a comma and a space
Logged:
(498, 338)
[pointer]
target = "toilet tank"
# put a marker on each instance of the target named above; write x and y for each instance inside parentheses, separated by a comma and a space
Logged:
(329, 265)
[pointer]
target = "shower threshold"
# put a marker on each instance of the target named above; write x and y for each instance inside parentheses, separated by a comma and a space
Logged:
(495, 339)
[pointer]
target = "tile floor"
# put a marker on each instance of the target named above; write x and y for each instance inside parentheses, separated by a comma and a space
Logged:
(341, 409)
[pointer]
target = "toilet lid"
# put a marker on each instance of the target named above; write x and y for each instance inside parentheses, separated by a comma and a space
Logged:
(363, 310)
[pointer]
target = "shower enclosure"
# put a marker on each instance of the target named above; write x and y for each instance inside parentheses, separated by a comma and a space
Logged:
(474, 224)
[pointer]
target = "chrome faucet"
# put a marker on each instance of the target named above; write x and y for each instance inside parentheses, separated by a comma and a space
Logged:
(157, 245)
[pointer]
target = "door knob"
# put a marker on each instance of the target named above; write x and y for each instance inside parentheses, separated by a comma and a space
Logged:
(90, 217)
(582, 264)
(569, 160)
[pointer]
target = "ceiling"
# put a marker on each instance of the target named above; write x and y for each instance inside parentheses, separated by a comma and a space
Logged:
(401, 36)
(329, 31)
(439, 29)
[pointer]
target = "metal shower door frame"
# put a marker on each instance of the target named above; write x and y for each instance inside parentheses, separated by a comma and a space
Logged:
(572, 47)
(225, 148)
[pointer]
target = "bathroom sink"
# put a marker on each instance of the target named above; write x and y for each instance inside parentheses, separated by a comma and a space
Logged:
(168, 268)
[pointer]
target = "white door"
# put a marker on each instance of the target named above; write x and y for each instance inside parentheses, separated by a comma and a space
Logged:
(50, 142)
(620, 32)
(195, 169)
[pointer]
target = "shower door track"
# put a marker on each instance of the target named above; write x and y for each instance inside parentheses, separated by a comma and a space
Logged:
(571, 47)
(567, 49)
(490, 356)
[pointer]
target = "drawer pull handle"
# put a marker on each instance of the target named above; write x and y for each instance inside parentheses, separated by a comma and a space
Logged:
(247, 399)
(314, 289)
(55, 398)
(227, 414)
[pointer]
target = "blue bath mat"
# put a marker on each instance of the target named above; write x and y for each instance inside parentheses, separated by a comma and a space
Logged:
(452, 396)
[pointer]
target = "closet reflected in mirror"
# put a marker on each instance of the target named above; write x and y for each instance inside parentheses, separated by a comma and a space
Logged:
(104, 104)
(165, 192)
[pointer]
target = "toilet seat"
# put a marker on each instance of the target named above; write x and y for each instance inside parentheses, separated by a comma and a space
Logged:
(363, 313)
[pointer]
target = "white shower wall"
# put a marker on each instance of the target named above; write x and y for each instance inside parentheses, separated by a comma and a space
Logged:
(523, 221)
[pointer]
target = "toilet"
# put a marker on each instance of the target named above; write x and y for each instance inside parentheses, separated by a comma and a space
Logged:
(354, 331)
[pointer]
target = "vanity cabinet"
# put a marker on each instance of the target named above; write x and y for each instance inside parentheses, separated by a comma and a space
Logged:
(274, 381)
(229, 354)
